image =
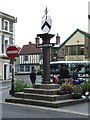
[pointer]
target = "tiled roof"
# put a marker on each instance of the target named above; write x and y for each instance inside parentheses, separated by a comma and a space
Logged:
(30, 49)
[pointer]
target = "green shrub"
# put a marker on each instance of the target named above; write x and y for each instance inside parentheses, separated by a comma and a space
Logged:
(77, 92)
(19, 85)
(77, 89)
(27, 85)
(86, 86)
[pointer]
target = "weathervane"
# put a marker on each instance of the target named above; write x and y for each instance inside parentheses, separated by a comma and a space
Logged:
(46, 11)
(46, 22)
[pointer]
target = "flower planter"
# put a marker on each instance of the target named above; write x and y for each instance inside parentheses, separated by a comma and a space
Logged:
(76, 96)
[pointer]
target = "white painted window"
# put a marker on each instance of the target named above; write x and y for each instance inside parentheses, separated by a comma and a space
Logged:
(6, 42)
(6, 25)
(27, 68)
(21, 68)
(11, 26)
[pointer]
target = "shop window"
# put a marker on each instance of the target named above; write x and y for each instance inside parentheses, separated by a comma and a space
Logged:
(27, 68)
(21, 68)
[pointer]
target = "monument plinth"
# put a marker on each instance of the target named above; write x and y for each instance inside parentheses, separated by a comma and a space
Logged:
(45, 94)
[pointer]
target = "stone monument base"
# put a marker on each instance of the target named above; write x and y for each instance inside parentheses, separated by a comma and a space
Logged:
(43, 95)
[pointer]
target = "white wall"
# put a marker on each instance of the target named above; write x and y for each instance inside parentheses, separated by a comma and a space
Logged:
(89, 14)
(1, 69)
(77, 39)
(0, 44)
(0, 23)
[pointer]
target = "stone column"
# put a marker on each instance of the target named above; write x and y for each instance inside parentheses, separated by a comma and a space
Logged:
(46, 56)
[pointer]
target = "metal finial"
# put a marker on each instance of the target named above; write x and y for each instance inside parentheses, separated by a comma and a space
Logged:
(46, 11)
(46, 22)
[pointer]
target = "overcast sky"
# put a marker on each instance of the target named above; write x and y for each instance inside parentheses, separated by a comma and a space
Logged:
(67, 16)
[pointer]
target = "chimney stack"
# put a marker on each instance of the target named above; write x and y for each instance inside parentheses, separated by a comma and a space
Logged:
(29, 43)
(57, 39)
(37, 40)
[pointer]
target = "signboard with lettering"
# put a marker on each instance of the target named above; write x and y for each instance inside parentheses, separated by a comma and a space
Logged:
(75, 58)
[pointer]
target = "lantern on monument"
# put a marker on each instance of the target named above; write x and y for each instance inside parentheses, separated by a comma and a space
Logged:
(46, 22)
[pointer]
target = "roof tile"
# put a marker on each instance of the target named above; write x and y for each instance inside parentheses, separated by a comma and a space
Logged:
(30, 49)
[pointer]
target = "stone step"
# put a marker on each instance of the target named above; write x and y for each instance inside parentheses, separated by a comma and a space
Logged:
(42, 96)
(42, 91)
(54, 104)
(46, 86)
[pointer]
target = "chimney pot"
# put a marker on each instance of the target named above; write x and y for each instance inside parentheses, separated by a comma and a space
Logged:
(37, 40)
(29, 43)
(57, 39)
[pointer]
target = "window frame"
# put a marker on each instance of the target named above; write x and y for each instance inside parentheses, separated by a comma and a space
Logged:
(21, 68)
(25, 58)
(6, 29)
(74, 50)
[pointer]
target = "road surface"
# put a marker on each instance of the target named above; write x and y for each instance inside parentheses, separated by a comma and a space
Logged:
(11, 110)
